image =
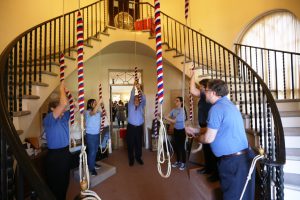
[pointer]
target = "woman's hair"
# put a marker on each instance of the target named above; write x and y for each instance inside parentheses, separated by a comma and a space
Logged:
(204, 82)
(53, 104)
(89, 105)
(218, 86)
(181, 101)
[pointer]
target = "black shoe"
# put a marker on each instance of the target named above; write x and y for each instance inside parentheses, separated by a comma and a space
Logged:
(97, 166)
(94, 173)
(213, 178)
(140, 161)
(131, 163)
(203, 171)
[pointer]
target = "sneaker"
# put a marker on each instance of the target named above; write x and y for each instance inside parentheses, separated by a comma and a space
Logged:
(97, 166)
(94, 173)
(176, 164)
(182, 166)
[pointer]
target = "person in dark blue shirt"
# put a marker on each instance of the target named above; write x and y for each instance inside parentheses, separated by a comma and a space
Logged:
(203, 109)
(134, 136)
(58, 159)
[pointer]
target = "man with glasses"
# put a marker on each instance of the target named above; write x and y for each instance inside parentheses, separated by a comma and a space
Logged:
(226, 134)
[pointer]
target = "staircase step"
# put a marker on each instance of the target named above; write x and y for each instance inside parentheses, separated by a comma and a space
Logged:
(178, 55)
(292, 141)
(95, 38)
(292, 166)
(20, 132)
(70, 57)
(104, 173)
(109, 27)
(170, 49)
(288, 104)
(294, 131)
(187, 61)
(292, 181)
(30, 96)
(21, 113)
(207, 190)
(104, 33)
(290, 118)
(290, 114)
(87, 45)
(293, 153)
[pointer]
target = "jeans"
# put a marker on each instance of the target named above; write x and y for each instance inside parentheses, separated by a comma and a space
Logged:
(104, 137)
(92, 145)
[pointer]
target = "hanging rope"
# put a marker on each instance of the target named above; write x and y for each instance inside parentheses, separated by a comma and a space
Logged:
(191, 106)
(163, 152)
(102, 107)
(159, 65)
(155, 115)
(72, 106)
(161, 157)
(62, 67)
(103, 116)
(137, 81)
(83, 166)
(255, 159)
(69, 95)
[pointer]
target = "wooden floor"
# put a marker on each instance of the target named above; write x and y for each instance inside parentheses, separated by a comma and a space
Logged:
(141, 182)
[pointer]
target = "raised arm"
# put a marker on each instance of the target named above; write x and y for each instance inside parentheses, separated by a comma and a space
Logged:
(63, 101)
(131, 99)
(195, 91)
(95, 109)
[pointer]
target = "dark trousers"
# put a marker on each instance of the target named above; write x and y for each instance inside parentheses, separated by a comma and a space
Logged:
(179, 140)
(233, 172)
(210, 159)
(134, 138)
(58, 164)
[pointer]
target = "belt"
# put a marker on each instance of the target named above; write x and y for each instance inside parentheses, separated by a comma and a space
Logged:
(134, 125)
(244, 151)
(60, 149)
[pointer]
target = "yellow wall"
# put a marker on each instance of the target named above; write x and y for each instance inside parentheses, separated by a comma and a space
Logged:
(223, 20)
(18, 16)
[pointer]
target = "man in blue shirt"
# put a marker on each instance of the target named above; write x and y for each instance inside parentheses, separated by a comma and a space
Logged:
(226, 134)
(58, 160)
(135, 124)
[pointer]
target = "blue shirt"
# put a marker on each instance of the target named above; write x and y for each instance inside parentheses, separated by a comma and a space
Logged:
(231, 135)
(136, 114)
(57, 130)
(178, 115)
(92, 123)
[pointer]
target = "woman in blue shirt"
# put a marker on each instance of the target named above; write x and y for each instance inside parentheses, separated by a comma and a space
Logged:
(177, 117)
(92, 129)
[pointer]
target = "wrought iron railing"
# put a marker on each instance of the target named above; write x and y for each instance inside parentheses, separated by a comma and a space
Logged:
(35, 50)
(279, 69)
